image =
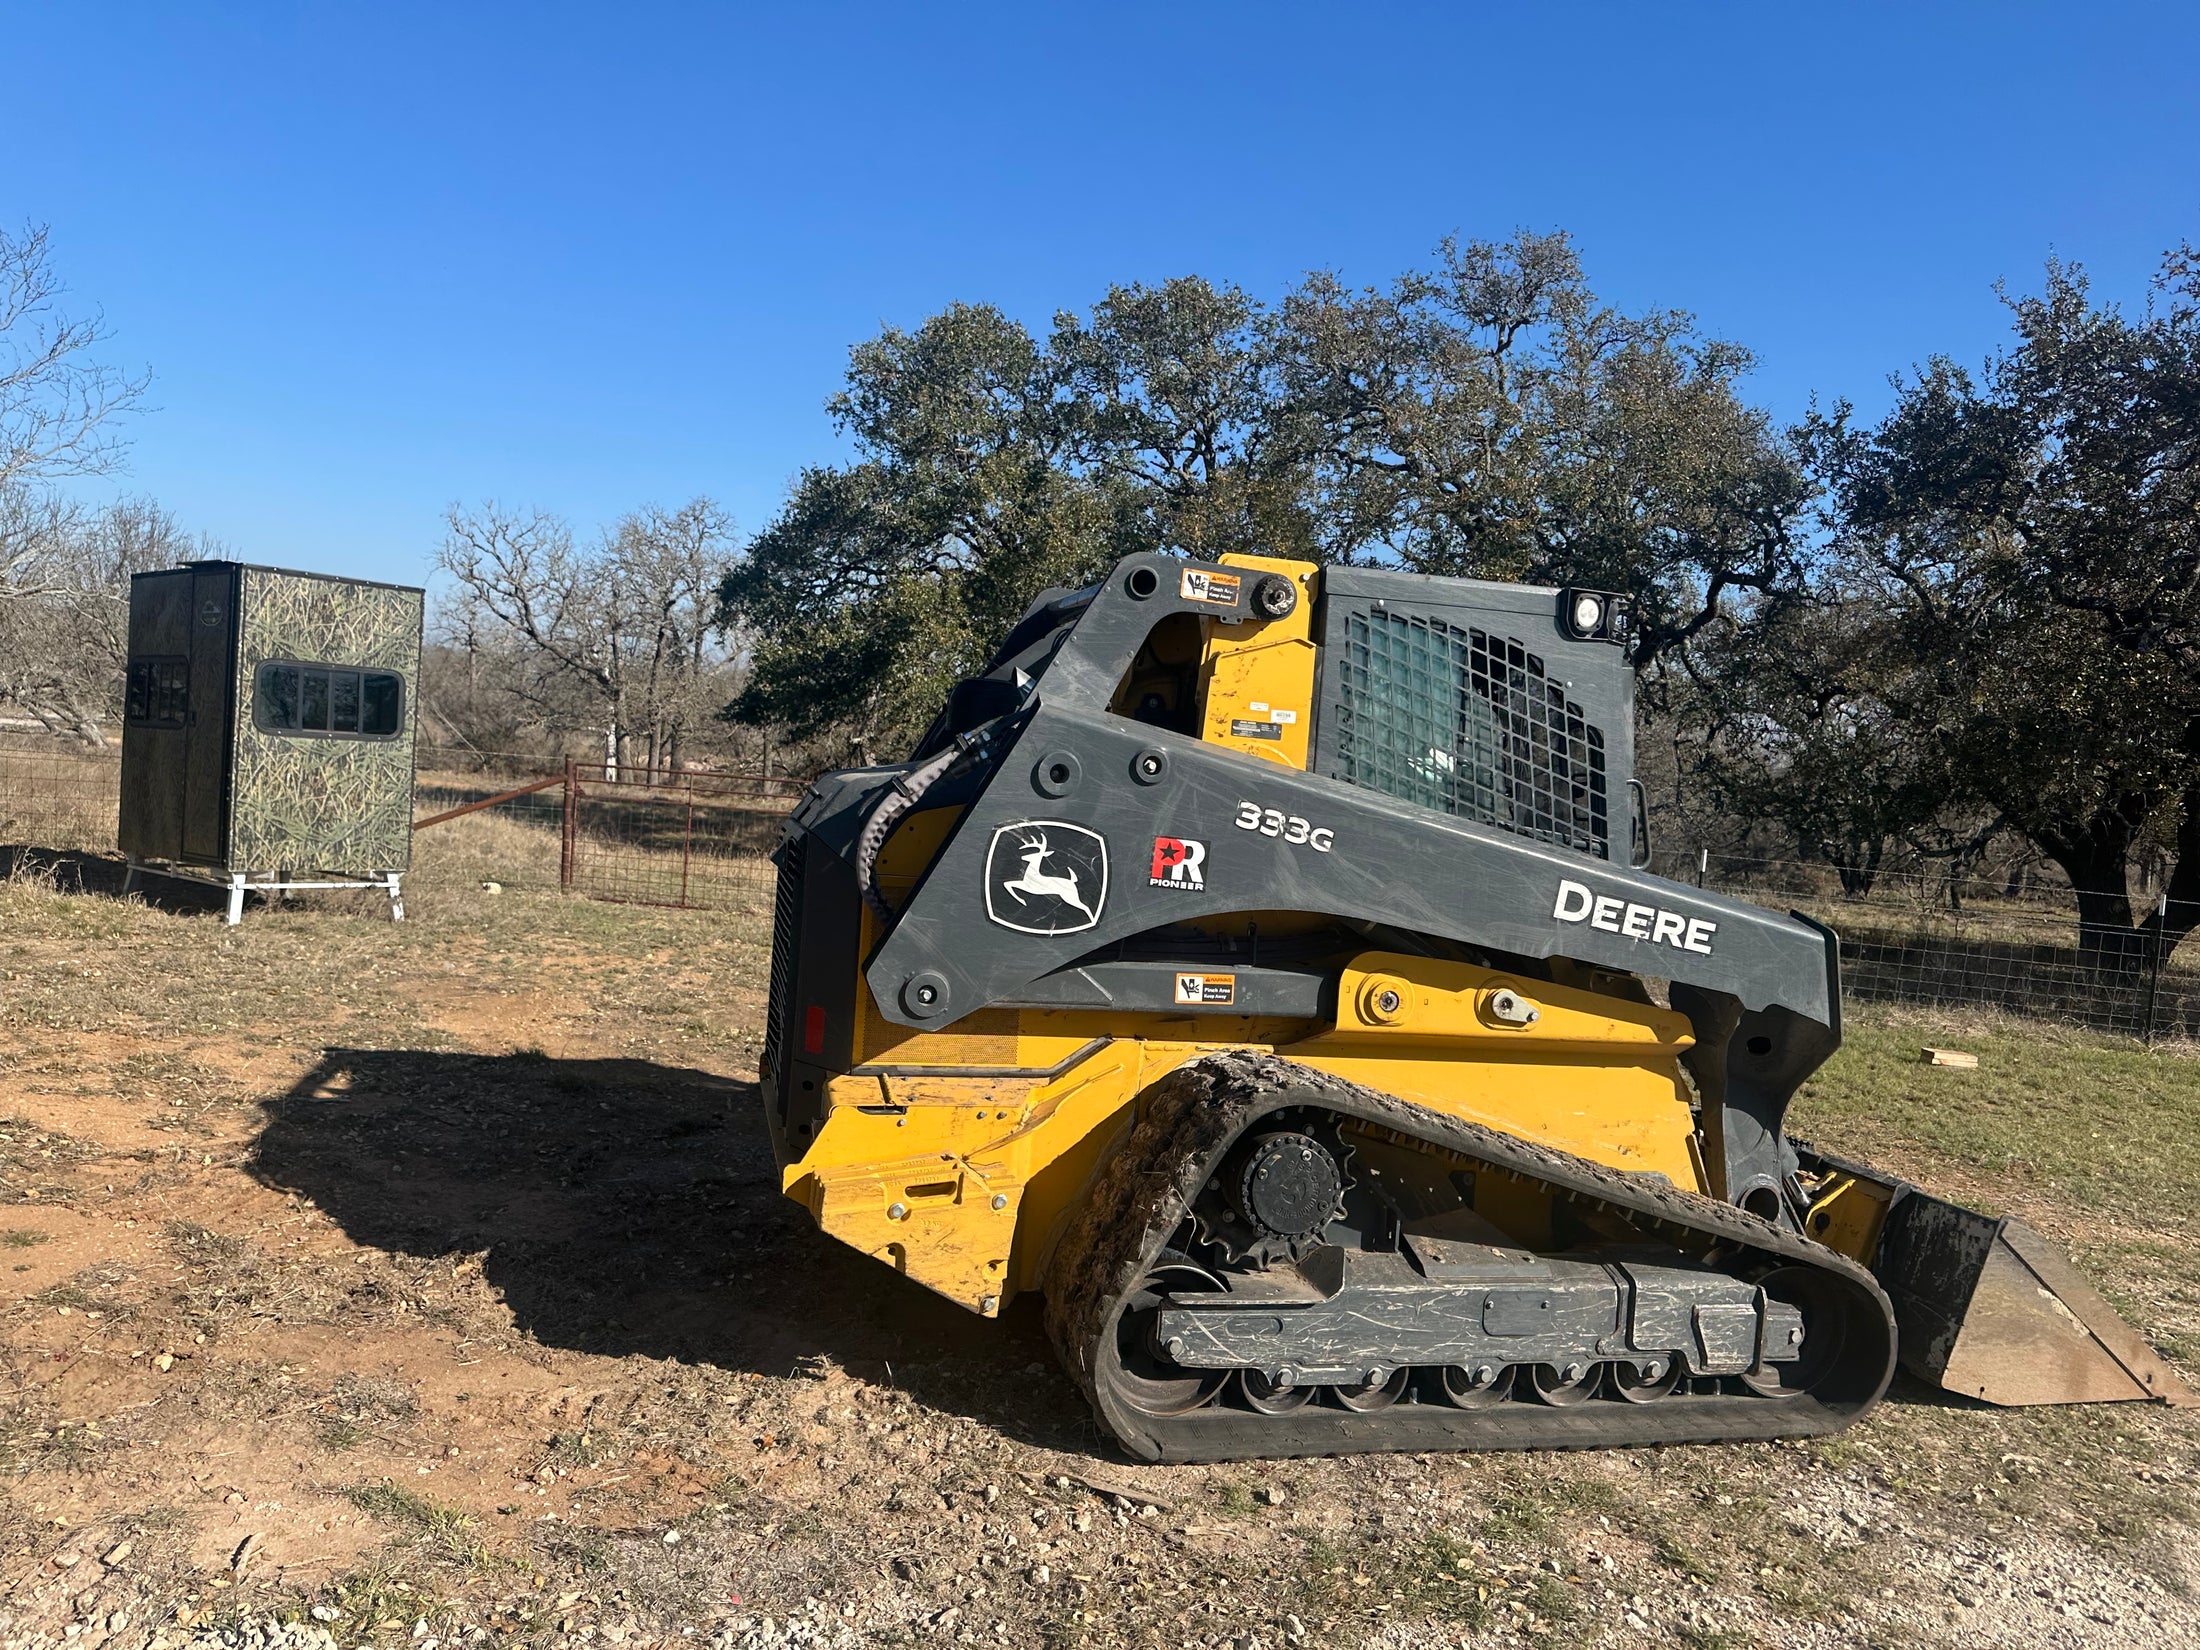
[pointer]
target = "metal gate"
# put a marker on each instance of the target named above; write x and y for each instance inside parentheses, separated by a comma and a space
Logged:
(674, 837)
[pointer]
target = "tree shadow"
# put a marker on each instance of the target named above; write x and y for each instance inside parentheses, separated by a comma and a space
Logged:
(632, 1208)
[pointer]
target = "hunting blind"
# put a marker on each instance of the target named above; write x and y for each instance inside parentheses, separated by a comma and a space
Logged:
(268, 729)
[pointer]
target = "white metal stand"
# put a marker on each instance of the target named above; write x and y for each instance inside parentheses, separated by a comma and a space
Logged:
(238, 883)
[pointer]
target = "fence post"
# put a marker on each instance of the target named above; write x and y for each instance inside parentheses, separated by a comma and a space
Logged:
(571, 826)
(2154, 974)
(687, 846)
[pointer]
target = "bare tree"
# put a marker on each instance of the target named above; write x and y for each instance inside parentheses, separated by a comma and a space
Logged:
(615, 638)
(65, 639)
(58, 405)
(665, 569)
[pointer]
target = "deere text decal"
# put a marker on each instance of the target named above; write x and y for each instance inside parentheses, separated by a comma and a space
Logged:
(1577, 902)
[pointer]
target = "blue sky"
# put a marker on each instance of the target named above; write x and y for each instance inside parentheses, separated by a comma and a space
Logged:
(383, 258)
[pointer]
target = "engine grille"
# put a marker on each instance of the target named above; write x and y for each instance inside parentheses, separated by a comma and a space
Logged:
(786, 929)
(1466, 722)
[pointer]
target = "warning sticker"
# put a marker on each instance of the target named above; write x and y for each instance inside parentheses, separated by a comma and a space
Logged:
(1205, 988)
(1203, 584)
(1242, 729)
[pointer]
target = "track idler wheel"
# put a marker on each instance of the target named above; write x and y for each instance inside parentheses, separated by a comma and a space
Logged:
(1645, 1383)
(1825, 1334)
(1561, 1387)
(1265, 1396)
(1143, 1375)
(1482, 1387)
(1371, 1395)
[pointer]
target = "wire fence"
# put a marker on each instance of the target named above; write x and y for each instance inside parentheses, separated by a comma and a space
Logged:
(688, 838)
(702, 840)
(692, 840)
(54, 795)
(2012, 943)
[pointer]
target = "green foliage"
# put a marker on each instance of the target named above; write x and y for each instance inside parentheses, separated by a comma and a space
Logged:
(882, 583)
(1486, 418)
(1490, 418)
(1794, 728)
(2022, 549)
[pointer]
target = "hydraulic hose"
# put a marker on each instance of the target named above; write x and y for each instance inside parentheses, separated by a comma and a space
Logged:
(902, 795)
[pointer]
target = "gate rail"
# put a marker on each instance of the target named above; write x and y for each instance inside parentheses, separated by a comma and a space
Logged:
(670, 836)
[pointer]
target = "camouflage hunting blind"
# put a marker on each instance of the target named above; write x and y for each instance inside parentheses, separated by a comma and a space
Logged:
(268, 729)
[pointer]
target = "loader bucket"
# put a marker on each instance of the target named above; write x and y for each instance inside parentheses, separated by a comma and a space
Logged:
(1984, 1305)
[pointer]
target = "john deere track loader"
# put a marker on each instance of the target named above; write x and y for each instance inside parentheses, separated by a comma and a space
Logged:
(1253, 960)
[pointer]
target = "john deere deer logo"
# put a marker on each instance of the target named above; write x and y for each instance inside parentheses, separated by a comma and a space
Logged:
(1046, 876)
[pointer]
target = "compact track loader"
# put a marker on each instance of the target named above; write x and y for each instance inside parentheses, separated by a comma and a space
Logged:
(1254, 959)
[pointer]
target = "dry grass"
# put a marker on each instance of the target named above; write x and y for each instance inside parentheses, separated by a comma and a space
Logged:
(489, 1182)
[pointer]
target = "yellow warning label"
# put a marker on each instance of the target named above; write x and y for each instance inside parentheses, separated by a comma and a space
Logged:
(1205, 584)
(1206, 988)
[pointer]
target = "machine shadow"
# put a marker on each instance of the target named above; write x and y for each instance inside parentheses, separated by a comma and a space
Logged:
(632, 1208)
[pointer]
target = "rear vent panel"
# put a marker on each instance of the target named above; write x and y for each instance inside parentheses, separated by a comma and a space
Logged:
(786, 932)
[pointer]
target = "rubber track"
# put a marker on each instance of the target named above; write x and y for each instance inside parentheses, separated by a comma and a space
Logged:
(1143, 1193)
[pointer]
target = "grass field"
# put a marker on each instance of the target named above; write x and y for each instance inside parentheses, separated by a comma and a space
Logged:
(440, 1271)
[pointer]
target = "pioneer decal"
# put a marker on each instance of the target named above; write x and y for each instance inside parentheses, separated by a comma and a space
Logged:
(1203, 584)
(1579, 903)
(1046, 876)
(1251, 816)
(1205, 990)
(1178, 862)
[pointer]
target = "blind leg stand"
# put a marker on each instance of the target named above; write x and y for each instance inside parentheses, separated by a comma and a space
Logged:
(279, 884)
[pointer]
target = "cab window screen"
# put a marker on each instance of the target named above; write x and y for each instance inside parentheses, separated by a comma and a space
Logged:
(328, 700)
(1464, 721)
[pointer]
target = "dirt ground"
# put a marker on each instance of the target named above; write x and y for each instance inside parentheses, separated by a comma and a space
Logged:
(431, 1284)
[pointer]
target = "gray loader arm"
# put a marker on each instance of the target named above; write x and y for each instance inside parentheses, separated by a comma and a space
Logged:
(1760, 988)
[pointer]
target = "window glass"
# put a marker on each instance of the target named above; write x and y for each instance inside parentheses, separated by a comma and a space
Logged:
(171, 685)
(157, 692)
(325, 699)
(378, 709)
(278, 707)
(343, 699)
